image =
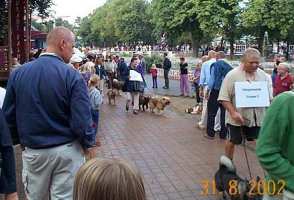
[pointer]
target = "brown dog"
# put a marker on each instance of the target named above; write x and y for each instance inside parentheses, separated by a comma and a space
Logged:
(111, 95)
(118, 85)
(158, 103)
(143, 102)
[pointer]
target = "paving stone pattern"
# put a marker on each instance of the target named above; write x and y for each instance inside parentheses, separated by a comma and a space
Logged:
(171, 153)
(169, 150)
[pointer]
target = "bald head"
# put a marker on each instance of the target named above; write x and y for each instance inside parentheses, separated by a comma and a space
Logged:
(57, 34)
(61, 41)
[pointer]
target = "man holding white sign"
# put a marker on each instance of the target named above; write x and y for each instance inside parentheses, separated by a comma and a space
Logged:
(245, 93)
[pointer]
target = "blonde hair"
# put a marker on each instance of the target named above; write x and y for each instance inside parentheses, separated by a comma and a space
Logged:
(153, 66)
(204, 58)
(88, 67)
(108, 179)
(211, 54)
(94, 80)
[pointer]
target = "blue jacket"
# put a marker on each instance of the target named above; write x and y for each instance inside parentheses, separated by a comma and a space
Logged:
(123, 71)
(218, 71)
(47, 104)
(101, 72)
(7, 178)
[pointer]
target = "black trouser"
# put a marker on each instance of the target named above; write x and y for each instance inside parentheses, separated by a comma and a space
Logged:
(154, 80)
(197, 91)
(165, 73)
(212, 107)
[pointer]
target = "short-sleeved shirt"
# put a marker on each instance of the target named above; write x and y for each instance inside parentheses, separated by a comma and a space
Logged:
(184, 68)
(282, 85)
(253, 116)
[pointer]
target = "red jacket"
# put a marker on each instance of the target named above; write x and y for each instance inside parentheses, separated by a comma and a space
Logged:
(153, 72)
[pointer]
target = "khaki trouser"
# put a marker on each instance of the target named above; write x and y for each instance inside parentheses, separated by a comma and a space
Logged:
(49, 173)
(203, 120)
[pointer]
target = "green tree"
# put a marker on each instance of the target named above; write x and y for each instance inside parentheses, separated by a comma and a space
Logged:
(274, 16)
(41, 7)
(116, 22)
(61, 22)
(220, 17)
(177, 18)
(253, 20)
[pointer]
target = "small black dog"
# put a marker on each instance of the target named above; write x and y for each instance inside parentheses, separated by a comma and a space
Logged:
(143, 102)
(225, 174)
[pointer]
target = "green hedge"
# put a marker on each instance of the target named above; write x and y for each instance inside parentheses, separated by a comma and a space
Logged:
(154, 59)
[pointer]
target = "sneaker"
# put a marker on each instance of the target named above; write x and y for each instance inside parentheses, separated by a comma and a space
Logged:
(135, 112)
(164, 87)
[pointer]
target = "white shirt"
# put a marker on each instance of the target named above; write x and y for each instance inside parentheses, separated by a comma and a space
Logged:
(2, 96)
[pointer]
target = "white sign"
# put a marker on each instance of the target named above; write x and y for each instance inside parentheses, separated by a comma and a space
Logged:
(135, 76)
(252, 94)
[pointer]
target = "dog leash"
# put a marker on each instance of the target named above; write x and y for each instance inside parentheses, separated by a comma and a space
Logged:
(245, 152)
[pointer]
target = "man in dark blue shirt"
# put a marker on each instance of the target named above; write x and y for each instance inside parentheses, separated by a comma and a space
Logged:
(218, 71)
(7, 162)
(47, 106)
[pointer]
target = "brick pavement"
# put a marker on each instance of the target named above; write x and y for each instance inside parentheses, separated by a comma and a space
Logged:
(169, 150)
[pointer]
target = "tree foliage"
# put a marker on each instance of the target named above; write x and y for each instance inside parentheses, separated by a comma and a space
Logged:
(116, 22)
(221, 17)
(41, 7)
(178, 17)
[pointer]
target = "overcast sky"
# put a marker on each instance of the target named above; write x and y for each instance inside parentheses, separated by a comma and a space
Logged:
(70, 9)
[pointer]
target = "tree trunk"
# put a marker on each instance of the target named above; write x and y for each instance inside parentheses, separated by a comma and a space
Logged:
(278, 46)
(195, 47)
(260, 44)
(232, 48)
(222, 42)
(195, 44)
(287, 51)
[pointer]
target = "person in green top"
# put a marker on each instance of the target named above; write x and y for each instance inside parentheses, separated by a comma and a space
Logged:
(275, 144)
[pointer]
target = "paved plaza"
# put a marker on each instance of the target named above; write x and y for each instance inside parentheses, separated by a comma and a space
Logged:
(168, 149)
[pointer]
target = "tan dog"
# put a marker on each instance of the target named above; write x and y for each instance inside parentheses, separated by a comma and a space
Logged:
(158, 103)
(111, 95)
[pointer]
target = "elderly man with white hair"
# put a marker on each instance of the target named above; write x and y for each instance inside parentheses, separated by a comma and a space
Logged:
(243, 122)
(283, 80)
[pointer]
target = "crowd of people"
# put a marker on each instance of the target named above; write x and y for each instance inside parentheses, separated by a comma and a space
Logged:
(215, 83)
(53, 112)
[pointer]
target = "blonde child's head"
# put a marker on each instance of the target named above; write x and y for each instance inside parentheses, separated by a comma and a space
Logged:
(108, 179)
(94, 80)
(153, 66)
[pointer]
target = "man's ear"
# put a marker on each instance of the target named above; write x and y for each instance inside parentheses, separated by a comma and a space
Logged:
(62, 44)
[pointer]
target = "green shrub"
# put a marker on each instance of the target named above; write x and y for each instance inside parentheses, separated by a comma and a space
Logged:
(125, 54)
(153, 59)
